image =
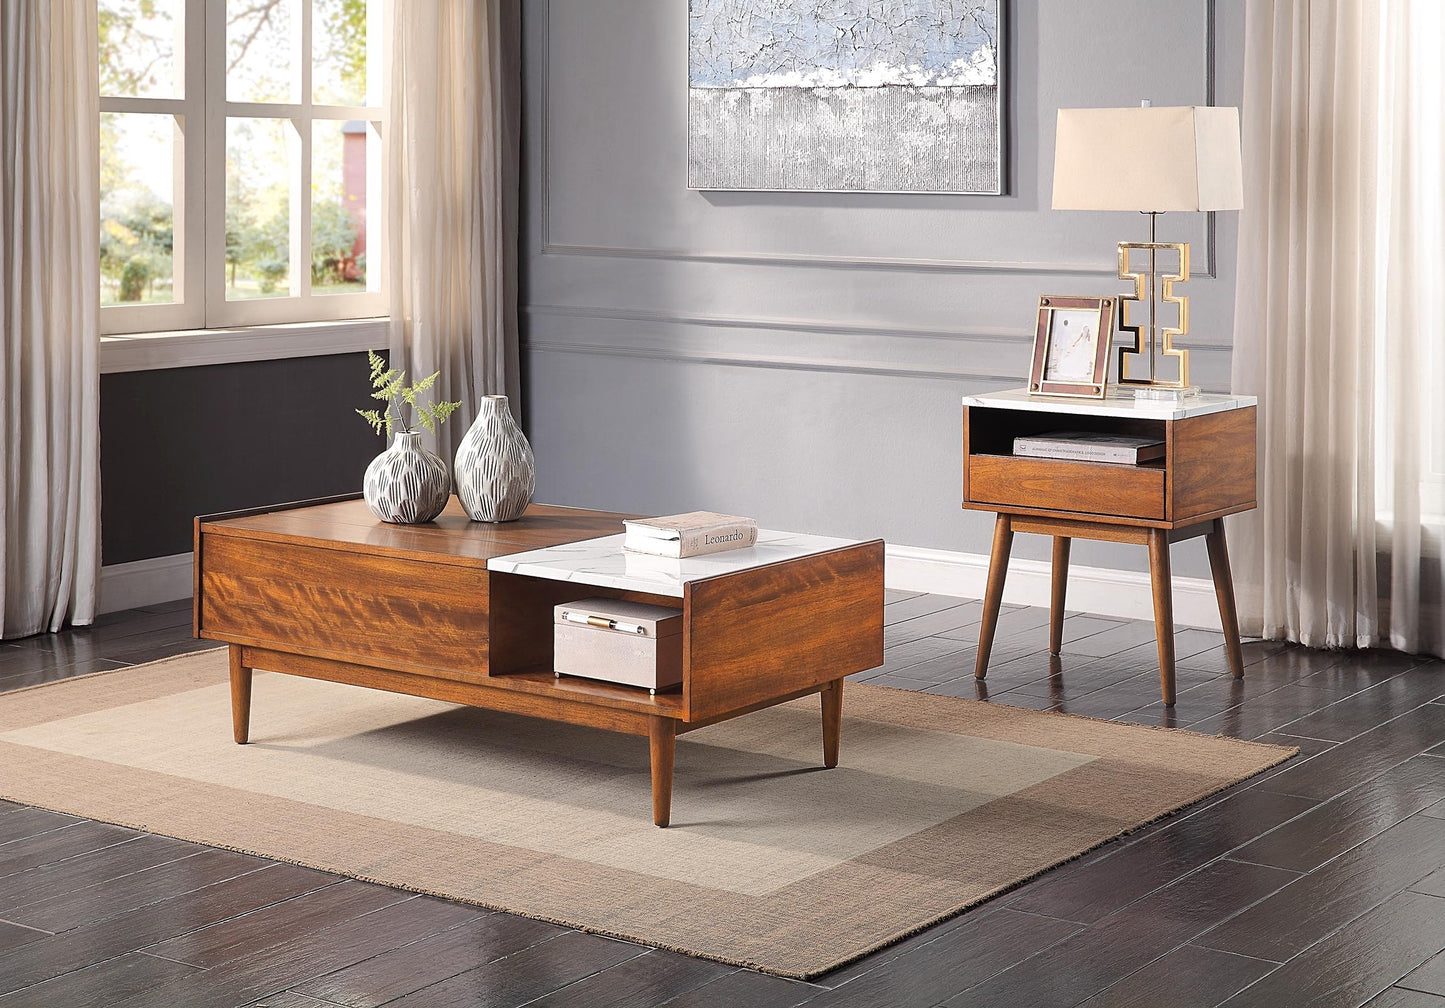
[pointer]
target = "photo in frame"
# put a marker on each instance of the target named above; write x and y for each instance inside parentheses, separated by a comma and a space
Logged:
(1071, 346)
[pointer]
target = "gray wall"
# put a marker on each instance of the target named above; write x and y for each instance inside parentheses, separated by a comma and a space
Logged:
(800, 357)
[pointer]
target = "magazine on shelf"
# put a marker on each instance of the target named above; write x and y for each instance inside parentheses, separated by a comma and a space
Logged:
(695, 533)
(1088, 446)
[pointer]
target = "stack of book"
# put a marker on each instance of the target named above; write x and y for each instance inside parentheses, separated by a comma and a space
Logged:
(1086, 446)
(695, 533)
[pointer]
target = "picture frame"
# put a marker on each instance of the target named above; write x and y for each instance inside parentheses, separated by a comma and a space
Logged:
(1071, 346)
(910, 98)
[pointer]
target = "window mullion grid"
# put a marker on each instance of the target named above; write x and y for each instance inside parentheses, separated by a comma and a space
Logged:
(156, 106)
(301, 175)
(216, 110)
(191, 207)
(378, 60)
(264, 110)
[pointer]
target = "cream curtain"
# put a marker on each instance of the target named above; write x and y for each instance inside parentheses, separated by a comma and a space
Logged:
(453, 125)
(49, 297)
(1337, 321)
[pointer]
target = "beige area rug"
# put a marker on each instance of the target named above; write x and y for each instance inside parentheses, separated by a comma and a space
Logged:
(771, 861)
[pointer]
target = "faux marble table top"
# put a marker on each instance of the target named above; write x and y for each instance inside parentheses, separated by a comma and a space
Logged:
(603, 562)
(1118, 403)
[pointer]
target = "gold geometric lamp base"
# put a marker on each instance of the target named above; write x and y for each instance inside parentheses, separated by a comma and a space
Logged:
(1154, 367)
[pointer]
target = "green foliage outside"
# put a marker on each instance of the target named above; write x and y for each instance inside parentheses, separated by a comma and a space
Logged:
(333, 239)
(136, 244)
(390, 387)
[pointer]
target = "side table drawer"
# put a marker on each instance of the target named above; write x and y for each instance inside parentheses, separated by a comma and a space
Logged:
(1060, 485)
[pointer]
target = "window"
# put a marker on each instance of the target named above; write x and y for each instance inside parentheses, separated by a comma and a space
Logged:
(240, 162)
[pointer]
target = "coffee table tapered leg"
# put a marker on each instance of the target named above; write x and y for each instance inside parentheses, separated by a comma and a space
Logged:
(832, 721)
(240, 697)
(662, 739)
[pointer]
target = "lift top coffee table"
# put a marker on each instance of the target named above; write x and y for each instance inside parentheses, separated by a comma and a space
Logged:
(461, 611)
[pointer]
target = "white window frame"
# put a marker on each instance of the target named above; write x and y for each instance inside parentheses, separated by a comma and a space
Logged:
(200, 208)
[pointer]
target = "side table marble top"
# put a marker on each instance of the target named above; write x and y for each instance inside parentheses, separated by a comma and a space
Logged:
(1118, 403)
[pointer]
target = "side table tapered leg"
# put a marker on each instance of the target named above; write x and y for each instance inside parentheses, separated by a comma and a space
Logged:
(1059, 586)
(1163, 610)
(1003, 537)
(662, 744)
(1224, 594)
(240, 697)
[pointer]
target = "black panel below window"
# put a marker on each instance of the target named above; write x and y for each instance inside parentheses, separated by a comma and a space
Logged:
(180, 442)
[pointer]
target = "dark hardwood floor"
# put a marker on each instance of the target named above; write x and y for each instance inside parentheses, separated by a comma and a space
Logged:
(1313, 884)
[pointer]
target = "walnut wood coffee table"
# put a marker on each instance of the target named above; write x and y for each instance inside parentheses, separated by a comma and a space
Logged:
(461, 611)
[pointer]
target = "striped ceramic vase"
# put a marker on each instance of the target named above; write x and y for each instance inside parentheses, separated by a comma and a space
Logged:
(495, 469)
(406, 484)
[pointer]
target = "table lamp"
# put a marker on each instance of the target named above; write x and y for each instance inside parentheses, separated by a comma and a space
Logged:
(1152, 160)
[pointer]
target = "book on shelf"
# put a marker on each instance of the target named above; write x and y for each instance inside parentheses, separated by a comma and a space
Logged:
(1089, 446)
(695, 533)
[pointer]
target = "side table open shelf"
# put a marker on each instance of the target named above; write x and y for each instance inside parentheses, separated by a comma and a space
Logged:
(1208, 471)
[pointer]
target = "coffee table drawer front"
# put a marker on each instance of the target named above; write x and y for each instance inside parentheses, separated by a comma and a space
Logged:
(1061, 485)
(371, 610)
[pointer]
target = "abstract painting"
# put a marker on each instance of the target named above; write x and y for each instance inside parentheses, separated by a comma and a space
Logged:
(845, 95)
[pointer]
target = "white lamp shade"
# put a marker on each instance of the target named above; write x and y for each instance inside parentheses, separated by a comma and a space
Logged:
(1148, 159)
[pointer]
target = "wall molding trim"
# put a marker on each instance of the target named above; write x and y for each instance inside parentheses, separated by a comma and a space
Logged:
(1095, 590)
(1001, 334)
(771, 361)
(796, 362)
(1011, 334)
(145, 582)
(809, 261)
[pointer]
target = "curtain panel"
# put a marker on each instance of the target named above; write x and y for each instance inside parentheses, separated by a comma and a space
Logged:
(1336, 322)
(49, 300)
(452, 141)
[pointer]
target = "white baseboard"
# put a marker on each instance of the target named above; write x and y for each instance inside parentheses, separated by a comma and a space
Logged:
(1097, 590)
(145, 582)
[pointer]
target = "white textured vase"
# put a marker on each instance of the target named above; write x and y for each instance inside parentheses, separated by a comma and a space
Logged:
(495, 469)
(406, 484)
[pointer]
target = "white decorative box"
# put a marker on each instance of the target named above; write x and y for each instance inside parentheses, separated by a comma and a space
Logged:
(618, 641)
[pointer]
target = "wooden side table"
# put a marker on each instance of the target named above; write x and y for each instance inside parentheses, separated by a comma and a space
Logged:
(1208, 471)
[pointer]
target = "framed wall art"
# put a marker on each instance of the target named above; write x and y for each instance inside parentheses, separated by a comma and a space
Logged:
(1071, 346)
(846, 95)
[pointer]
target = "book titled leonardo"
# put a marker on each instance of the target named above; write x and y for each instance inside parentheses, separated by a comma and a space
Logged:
(695, 533)
(1088, 446)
